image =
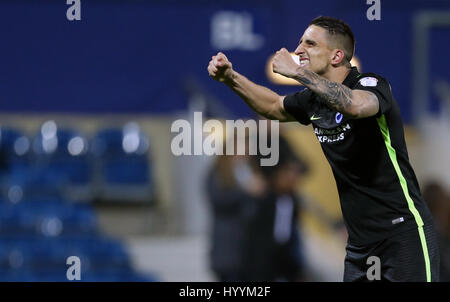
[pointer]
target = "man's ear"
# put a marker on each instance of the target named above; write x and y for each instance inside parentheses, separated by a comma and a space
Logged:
(337, 56)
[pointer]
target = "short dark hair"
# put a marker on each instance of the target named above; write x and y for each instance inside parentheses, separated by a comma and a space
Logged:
(340, 29)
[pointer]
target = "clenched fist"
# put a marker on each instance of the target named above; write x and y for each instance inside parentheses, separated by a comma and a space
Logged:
(284, 64)
(220, 68)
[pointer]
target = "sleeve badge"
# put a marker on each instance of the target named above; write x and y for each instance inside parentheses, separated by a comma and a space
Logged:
(368, 82)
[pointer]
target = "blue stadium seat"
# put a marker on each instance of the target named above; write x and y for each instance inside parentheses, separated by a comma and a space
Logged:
(49, 218)
(40, 228)
(15, 156)
(44, 259)
(63, 153)
(34, 182)
(125, 171)
(102, 253)
(14, 145)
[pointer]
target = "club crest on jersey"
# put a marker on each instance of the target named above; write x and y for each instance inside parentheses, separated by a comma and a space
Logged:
(339, 117)
(369, 82)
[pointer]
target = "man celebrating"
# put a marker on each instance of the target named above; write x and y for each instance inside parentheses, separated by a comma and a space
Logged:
(358, 124)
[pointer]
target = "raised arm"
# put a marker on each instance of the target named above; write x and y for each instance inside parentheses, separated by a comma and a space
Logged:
(261, 99)
(352, 103)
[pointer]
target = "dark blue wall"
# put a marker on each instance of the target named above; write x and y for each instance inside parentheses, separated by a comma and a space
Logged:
(133, 56)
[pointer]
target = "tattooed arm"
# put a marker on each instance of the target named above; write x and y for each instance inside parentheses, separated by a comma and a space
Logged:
(352, 103)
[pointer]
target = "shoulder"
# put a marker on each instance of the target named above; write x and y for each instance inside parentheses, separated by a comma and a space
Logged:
(298, 105)
(299, 98)
(379, 86)
(370, 79)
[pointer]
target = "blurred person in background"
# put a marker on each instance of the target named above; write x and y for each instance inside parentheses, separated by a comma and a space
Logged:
(274, 246)
(438, 200)
(359, 126)
(255, 234)
(233, 186)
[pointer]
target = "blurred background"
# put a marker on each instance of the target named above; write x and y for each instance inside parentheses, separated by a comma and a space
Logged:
(86, 109)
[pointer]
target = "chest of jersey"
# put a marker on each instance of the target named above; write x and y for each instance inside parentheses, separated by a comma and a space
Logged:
(329, 126)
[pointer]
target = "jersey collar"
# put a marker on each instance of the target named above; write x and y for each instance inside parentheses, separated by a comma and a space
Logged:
(351, 78)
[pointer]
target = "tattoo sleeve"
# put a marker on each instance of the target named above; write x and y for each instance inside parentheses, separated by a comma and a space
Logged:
(336, 96)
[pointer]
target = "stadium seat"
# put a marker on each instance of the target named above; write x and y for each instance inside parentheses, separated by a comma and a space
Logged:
(63, 153)
(125, 172)
(15, 156)
(40, 227)
(44, 259)
(50, 218)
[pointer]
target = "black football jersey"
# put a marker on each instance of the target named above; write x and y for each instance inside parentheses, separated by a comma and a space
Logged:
(378, 190)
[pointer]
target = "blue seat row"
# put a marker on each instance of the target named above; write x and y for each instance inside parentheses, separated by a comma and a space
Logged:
(41, 180)
(38, 237)
(60, 276)
(49, 218)
(115, 164)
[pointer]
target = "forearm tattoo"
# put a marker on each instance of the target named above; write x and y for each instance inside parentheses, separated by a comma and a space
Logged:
(336, 96)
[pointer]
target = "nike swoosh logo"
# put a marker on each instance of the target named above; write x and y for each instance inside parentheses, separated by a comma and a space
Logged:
(313, 117)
